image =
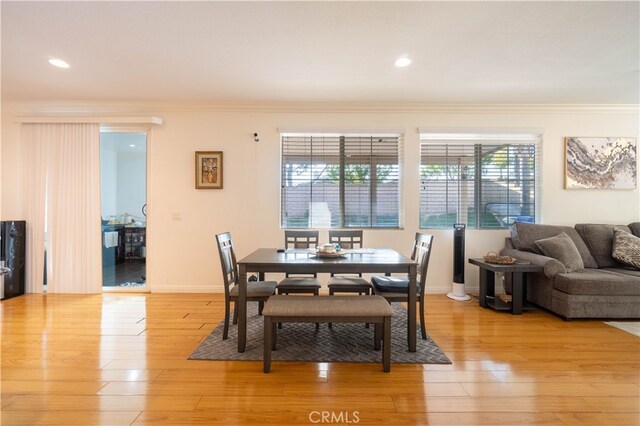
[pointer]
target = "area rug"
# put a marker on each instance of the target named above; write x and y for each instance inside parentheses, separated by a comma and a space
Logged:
(302, 342)
(632, 327)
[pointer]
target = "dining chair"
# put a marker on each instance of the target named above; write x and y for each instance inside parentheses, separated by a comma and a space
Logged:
(257, 291)
(300, 283)
(350, 283)
(396, 289)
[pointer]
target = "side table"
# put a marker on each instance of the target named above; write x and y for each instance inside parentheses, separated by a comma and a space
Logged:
(487, 284)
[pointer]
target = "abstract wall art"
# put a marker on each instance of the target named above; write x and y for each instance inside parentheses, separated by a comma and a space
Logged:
(600, 163)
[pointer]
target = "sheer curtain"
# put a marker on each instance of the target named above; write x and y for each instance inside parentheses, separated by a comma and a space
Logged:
(72, 191)
(34, 172)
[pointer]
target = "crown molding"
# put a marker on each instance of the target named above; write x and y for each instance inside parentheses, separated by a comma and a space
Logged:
(44, 119)
(101, 108)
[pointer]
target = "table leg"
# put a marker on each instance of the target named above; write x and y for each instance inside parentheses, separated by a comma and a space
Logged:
(517, 290)
(260, 276)
(411, 309)
(266, 354)
(241, 305)
(386, 344)
(487, 286)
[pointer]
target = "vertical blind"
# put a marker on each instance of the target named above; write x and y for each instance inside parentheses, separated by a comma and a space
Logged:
(340, 181)
(484, 181)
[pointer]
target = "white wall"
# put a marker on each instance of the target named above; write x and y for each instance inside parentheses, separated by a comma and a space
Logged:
(108, 182)
(10, 180)
(132, 183)
(123, 174)
(181, 254)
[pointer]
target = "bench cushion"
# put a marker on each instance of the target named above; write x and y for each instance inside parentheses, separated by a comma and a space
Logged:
(322, 306)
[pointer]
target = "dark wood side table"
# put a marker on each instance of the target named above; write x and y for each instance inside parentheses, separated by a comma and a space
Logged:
(487, 294)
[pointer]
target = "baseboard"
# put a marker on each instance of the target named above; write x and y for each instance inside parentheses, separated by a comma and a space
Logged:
(178, 288)
(444, 289)
(182, 288)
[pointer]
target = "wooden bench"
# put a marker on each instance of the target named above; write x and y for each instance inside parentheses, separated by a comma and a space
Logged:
(325, 309)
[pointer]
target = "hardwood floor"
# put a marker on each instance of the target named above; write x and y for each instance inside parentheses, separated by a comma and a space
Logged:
(126, 272)
(121, 359)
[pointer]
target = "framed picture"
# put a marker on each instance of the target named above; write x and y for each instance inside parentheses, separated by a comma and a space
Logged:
(208, 169)
(600, 163)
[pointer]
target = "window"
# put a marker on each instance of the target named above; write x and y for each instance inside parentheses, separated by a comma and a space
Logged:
(485, 181)
(340, 181)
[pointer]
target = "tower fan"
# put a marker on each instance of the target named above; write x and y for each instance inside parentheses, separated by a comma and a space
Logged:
(457, 292)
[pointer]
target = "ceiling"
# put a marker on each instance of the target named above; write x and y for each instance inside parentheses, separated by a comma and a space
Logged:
(484, 52)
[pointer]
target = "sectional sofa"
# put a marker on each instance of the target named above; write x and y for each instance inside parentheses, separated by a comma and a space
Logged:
(600, 286)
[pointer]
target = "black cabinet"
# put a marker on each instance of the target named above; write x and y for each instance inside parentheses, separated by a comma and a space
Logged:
(112, 245)
(12, 256)
(135, 243)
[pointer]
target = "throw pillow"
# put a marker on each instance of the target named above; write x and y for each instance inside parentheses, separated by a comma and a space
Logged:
(626, 248)
(563, 249)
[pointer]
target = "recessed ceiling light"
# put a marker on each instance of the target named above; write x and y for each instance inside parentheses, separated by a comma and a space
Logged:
(58, 63)
(403, 61)
(132, 145)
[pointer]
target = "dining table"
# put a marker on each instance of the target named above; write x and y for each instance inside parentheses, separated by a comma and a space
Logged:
(307, 261)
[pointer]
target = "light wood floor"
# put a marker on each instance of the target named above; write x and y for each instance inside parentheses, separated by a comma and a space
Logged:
(120, 359)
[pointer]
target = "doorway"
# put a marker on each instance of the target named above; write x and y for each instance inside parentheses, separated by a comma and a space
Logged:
(123, 196)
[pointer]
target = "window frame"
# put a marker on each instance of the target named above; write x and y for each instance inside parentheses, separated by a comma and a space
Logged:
(477, 139)
(342, 163)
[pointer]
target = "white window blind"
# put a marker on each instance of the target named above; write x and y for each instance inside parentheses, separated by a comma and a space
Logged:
(340, 181)
(484, 181)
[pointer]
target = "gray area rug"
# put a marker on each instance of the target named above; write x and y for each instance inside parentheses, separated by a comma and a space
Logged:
(302, 342)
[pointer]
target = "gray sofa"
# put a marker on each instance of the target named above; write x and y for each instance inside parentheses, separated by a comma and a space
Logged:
(604, 288)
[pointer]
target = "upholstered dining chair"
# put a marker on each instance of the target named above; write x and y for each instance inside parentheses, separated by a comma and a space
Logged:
(353, 283)
(257, 291)
(300, 283)
(396, 289)
(348, 283)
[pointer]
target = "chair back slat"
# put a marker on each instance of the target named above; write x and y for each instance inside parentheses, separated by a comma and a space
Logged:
(421, 254)
(301, 240)
(228, 261)
(346, 239)
(351, 239)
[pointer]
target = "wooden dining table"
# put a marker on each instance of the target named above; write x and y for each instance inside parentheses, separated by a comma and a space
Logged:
(301, 261)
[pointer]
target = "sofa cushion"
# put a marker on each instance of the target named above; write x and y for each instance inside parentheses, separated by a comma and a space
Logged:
(563, 249)
(597, 281)
(599, 240)
(635, 228)
(626, 248)
(525, 235)
(624, 271)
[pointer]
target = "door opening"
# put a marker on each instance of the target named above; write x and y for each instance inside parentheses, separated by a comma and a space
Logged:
(123, 183)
